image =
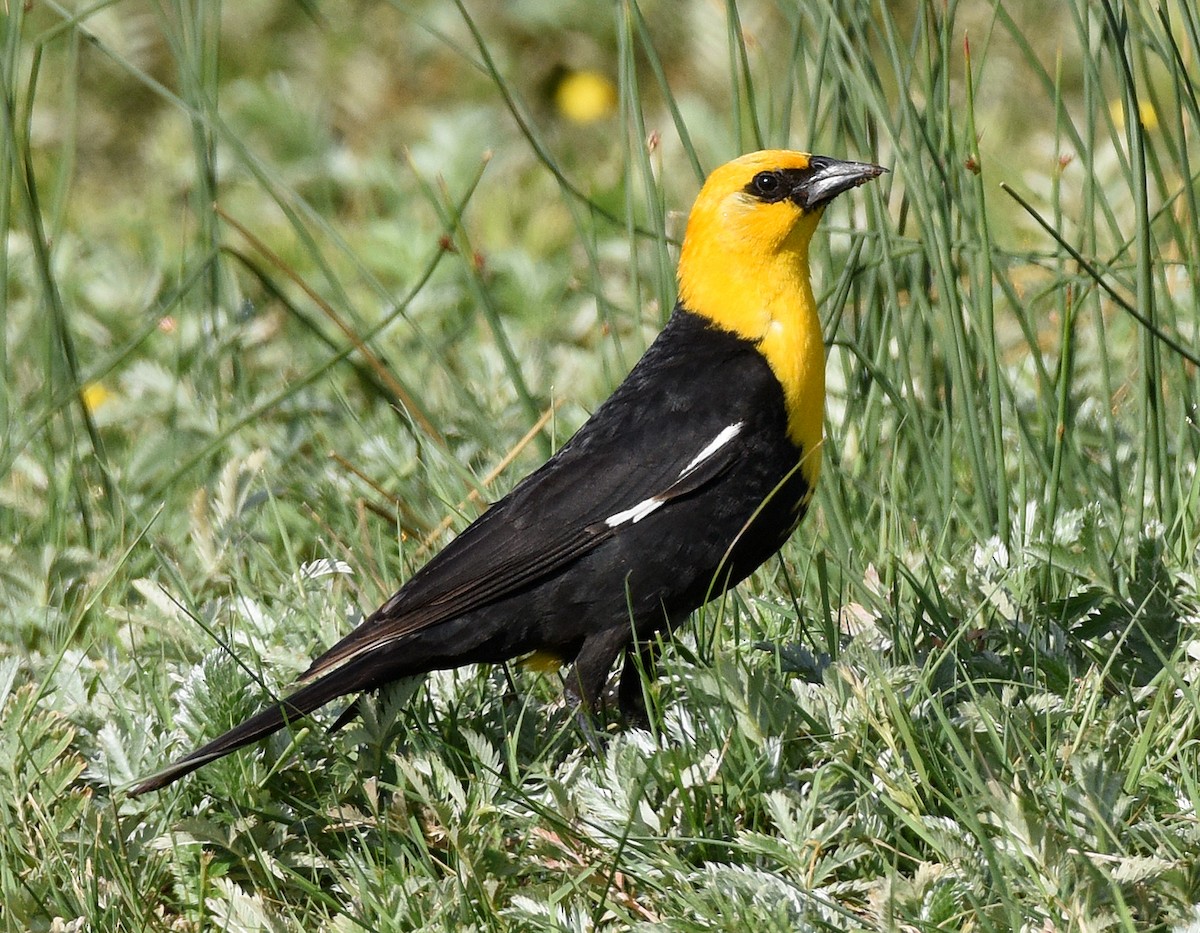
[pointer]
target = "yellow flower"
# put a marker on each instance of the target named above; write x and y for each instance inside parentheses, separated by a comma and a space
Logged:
(95, 395)
(1147, 115)
(585, 97)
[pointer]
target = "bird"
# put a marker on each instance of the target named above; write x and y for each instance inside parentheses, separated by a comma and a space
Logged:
(693, 473)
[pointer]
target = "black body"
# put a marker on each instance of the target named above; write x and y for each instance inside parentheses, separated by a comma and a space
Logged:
(543, 569)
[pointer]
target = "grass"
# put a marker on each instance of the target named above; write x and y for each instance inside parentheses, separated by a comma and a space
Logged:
(965, 696)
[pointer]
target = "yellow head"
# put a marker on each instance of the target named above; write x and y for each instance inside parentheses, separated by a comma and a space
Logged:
(744, 266)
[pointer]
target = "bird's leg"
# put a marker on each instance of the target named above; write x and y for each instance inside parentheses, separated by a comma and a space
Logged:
(631, 700)
(584, 714)
(588, 676)
(586, 724)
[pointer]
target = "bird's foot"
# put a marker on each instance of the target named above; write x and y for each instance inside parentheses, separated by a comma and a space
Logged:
(596, 740)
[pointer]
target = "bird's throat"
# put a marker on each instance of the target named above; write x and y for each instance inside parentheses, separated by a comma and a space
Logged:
(774, 307)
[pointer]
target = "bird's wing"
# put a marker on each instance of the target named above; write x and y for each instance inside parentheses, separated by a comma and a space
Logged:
(580, 498)
(551, 518)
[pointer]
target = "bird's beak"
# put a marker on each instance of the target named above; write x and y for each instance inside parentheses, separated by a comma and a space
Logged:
(826, 178)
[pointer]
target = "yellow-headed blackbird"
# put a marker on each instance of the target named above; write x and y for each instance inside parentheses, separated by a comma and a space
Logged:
(693, 473)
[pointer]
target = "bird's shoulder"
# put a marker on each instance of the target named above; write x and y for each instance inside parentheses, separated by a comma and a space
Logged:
(695, 384)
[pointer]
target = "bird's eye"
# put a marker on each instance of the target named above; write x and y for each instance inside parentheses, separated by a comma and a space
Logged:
(767, 184)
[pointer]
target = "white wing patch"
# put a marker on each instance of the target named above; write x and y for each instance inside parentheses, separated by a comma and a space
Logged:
(636, 513)
(726, 435)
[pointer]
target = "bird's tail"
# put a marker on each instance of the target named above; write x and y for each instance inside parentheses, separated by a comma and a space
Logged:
(272, 719)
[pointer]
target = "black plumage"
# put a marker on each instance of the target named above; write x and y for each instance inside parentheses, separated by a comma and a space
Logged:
(545, 570)
(683, 482)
